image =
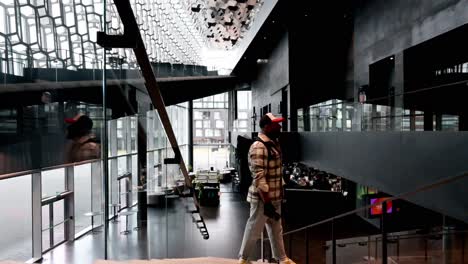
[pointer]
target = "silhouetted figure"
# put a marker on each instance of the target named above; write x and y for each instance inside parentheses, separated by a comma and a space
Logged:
(84, 144)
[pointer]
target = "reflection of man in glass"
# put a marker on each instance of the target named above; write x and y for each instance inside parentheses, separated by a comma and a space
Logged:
(84, 144)
(46, 98)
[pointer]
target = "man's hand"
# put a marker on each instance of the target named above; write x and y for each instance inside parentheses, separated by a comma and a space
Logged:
(270, 211)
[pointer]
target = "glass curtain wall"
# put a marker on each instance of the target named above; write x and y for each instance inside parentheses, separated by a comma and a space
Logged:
(210, 132)
(49, 161)
(160, 149)
(121, 135)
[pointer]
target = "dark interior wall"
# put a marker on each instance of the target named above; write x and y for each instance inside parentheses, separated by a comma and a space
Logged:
(383, 28)
(318, 48)
(395, 163)
(317, 55)
(435, 75)
(272, 77)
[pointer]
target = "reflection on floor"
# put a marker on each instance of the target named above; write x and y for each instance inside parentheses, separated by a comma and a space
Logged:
(208, 260)
(225, 224)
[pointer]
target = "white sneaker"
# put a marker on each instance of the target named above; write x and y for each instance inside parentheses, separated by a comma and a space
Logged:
(287, 261)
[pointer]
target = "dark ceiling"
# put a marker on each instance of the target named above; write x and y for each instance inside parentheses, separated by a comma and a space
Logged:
(320, 34)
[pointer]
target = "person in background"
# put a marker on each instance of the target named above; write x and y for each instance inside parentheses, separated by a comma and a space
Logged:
(83, 143)
(266, 192)
(46, 98)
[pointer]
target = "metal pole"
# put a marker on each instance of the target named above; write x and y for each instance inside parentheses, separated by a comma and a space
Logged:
(51, 225)
(333, 242)
(307, 246)
(167, 214)
(290, 244)
(5, 71)
(94, 69)
(36, 228)
(261, 248)
(463, 248)
(425, 248)
(368, 249)
(190, 134)
(105, 154)
(398, 248)
(384, 233)
(70, 204)
(376, 251)
(443, 240)
(7, 62)
(56, 71)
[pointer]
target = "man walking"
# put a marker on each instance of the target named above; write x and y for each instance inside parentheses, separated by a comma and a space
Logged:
(266, 192)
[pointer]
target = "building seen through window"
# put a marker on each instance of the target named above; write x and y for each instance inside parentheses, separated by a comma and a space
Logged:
(242, 123)
(211, 147)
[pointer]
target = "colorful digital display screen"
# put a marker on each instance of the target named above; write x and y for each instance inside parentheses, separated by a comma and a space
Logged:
(376, 208)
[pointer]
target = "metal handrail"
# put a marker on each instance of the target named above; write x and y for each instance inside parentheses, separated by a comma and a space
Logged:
(55, 198)
(27, 172)
(57, 224)
(69, 53)
(397, 197)
(123, 155)
(406, 236)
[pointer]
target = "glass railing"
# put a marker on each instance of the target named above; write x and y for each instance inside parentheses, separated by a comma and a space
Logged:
(38, 210)
(388, 230)
(101, 192)
(71, 196)
(17, 227)
(339, 115)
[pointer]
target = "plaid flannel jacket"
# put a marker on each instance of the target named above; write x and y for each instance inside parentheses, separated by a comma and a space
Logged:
(265, 170)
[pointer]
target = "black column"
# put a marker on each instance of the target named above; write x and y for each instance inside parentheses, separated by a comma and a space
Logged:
(190, 135)
(463, 122)
(383, 226)
(428, 123)
(285, 106)
(438, 117)
(306, 119)
(142, 107)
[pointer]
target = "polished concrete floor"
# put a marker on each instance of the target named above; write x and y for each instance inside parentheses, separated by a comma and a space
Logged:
(225, 224)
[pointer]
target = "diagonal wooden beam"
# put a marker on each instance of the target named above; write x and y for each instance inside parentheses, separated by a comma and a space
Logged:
(132, 39)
